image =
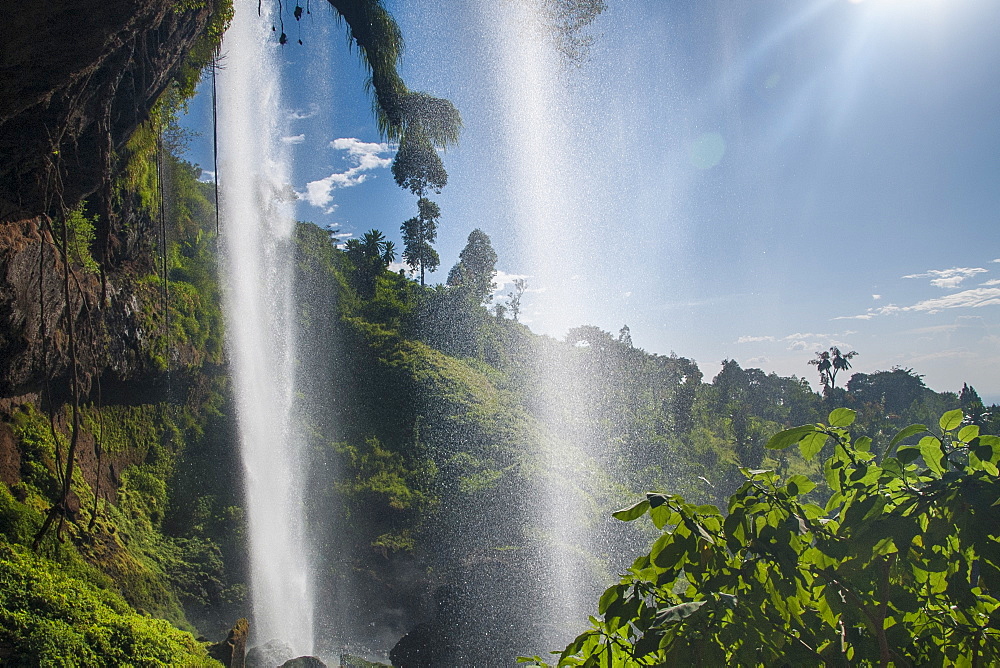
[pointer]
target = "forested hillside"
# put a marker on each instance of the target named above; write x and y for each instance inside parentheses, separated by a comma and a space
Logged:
(440, 410)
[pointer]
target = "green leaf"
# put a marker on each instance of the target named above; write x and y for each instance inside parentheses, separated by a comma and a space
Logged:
(656, 500)
(863, 444)
(968, 432)
(663, 515)
(932, 452)
(610, 596)
(992, 442)
(951, 419)
(904, 434)
(632, 512)
(677, 613)
(907, 454)
(799, 484)
(788, 437)
(891, 468)
(812, 444)
(842, 417)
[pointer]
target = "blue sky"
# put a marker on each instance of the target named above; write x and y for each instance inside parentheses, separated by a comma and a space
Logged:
(755, 181)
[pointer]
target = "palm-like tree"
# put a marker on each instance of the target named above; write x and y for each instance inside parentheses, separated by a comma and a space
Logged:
(828, 363)
(840, 362)
(822, 364)
(379, 41)
(388, 253)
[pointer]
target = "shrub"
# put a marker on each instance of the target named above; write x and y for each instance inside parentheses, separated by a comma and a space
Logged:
(901, 566)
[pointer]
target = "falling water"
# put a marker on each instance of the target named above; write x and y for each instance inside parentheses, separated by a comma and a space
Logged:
(535, 112)
(257, 225)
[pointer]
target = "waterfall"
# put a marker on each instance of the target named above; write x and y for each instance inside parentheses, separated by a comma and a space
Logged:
(536, 115)
(257, 222)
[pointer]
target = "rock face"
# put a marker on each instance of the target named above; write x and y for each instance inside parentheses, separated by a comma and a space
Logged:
(76, 80)
(303, 662)
(269, 655)
(71, 75)
(33, 345)
(233, 650)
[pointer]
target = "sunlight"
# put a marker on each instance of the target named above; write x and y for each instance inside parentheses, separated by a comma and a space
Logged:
(895, 9)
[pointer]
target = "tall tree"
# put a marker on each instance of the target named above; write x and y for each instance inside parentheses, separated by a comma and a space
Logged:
(476, 268)
(419, 233)
(421, 122)
(972, 406)
(520, 285)
(418, 168)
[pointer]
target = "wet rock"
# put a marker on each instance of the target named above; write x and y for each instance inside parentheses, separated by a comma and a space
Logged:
(303, 662)
(232, 651)
(269, 655)
(71, 73)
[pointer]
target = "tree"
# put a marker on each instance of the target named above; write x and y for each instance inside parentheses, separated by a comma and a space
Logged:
(417, 165)
(476, 268)
(370, 255)
(421, 122)
(894, 390)
(398, 110)
(972, 405)
(829, 363)
(515, 295)
(901, 567)
(625, 336)
(419, 233)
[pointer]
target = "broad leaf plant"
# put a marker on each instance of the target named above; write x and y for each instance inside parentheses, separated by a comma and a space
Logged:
(900, 567)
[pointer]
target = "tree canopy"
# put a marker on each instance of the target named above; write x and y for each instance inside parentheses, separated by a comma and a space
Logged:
(476, 268)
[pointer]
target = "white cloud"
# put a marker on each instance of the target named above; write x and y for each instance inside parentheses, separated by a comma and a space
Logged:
(974, 298)
(503, 279)
(801, 340)
(876, 297)
(295, 139)
(299, 114)
(366, 156)
(753, 361)
(754, 339)
(207, 176)
(626, 295)
(949, 278)
(811, 340)
(995, 281)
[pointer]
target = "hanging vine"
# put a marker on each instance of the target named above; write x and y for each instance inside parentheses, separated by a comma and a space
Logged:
(59, 508)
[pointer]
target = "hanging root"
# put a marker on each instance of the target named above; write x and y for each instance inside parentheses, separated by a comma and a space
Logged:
(59, 508)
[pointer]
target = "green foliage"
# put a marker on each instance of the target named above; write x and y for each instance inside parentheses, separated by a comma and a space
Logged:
(193, 310)
(50, 619)
(381, 477)
(417, 165)
(901, 566)
(476, 268)
(419, 233)
(79, 237)
(369, 256)
(205, 47)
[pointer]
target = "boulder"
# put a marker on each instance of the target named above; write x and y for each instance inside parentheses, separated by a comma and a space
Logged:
(271, 654)
(303, 662)
(233, 650)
